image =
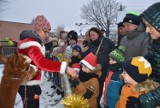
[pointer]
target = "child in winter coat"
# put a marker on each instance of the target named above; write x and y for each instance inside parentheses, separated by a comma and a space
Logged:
(73, 39)
(113, 83)
(87, 83)
(76, 55)
(136, 70)
(62, 42)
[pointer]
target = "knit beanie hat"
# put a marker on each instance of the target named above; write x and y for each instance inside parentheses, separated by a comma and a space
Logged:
(137, 68)
(120, 24)
(132, 17)
(73, 35)
(41, 23)
(77, 48)
(90, 61)
(118, 54)
(152, 15)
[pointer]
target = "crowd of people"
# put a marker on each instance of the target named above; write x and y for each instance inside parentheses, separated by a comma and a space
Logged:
(108, 76)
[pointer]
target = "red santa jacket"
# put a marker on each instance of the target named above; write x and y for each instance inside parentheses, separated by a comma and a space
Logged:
(35, 51)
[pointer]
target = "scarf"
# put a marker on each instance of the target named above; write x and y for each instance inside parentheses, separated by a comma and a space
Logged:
(83, 76)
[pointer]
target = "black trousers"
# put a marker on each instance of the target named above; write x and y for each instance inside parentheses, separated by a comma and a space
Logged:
(28, 96)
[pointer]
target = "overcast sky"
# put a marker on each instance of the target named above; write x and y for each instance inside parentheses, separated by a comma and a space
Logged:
(58, 12)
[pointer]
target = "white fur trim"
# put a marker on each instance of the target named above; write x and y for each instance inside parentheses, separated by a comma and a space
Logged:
(29, 44)
(63, 67)
(87, 64)
(32, 43)
(34, 82)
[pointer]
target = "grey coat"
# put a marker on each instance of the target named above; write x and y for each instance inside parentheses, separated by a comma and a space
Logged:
(135, 42)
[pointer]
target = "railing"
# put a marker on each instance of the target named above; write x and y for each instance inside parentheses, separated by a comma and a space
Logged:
(7, 50)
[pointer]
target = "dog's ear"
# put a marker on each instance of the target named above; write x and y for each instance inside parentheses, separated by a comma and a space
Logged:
(3, 59)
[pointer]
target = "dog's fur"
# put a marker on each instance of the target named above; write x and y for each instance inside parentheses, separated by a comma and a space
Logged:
(17, 69)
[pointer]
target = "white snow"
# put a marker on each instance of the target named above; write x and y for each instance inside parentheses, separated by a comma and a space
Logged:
(46, 101)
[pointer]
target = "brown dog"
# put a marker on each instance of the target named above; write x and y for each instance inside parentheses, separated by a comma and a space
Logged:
(17, 69)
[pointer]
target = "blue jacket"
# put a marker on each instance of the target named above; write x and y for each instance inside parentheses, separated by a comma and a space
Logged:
(113, 88)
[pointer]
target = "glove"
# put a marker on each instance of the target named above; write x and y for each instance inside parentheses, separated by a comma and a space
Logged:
(74, 82)
(60, 92)
(133, 102)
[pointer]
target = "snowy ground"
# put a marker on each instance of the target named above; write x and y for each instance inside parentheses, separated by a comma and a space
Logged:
(46, 100)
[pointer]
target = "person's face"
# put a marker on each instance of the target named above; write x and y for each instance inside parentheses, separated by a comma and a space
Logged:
(43, 34)
(72, 42)
(64, 37)
(127, 79)
(75, 53)
(112, 61)
(151, 30)
(121, 31)
(54, 43)
(93, 35)
(129, 27)
(85, 69)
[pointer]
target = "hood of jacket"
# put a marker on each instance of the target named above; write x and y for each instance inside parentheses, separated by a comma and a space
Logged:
(146, 86)
(30, 34)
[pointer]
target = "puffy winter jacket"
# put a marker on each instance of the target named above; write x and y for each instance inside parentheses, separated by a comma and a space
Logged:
(150, 99)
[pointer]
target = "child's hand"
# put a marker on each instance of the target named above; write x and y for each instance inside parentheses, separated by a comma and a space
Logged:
(72, 72)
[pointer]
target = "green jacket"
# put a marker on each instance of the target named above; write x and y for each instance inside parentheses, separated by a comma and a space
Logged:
(150, 99)
(154, 51)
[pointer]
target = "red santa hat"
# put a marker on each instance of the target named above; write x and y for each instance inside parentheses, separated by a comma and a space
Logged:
(90, 61)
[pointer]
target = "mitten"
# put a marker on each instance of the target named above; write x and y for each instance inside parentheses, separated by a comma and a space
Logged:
(133, 102)
(74, 82)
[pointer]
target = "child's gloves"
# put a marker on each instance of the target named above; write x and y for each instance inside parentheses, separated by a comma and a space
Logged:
(133, 102)
(74, 82)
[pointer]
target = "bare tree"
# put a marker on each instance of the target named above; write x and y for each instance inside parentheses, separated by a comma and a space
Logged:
(59, 29)
(101, 12)
(32, 22)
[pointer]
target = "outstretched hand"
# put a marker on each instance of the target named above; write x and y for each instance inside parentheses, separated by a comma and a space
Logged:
(133, 102)
(72, 72)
